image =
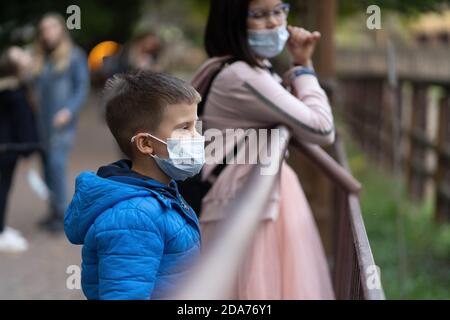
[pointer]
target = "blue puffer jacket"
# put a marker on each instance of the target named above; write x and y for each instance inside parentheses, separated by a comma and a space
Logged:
(139, 235)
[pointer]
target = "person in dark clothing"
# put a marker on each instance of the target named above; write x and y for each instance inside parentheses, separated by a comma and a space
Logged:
(17, 134)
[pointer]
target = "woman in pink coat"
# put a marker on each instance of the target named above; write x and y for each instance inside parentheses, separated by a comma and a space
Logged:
(286, 259)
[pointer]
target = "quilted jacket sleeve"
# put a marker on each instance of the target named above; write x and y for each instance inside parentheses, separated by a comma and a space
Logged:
(128, 260)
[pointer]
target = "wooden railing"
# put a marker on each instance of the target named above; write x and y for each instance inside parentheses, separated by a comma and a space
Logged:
(352, 262)
(424, 64)
(405, 128)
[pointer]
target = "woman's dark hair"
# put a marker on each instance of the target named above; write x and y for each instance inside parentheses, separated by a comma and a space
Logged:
(226, 30)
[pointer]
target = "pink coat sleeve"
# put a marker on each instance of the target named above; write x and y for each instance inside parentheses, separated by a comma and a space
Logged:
(305, 109)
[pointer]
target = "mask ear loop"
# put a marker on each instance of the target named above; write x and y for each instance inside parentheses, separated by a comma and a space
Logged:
(133, 138)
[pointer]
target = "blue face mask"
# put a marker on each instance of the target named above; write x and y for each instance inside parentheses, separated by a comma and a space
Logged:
(268, 43)
(186, 157)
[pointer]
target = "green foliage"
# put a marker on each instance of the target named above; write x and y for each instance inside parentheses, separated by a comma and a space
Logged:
(187, 16)
(410, 7)
(115, 20)
(412, 250)
(100, 19)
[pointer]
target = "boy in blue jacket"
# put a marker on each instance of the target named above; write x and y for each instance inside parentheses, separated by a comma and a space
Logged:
(139, 236)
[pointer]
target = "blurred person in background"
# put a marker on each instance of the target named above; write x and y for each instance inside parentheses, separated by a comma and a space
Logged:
(140, 54)
(286, 259)
(61, 87)
(17, 128)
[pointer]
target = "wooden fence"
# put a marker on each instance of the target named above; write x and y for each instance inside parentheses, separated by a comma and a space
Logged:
(404, 124)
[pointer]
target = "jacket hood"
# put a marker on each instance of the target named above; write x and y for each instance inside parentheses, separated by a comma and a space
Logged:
(95, 193)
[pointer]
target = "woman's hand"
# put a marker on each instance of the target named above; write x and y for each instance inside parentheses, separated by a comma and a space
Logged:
(301, 45)
(62, 118)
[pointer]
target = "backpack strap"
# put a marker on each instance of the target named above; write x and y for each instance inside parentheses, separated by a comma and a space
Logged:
(201, 105)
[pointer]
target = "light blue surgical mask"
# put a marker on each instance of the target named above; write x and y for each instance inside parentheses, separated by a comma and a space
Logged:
(186, 157)
(268, 43)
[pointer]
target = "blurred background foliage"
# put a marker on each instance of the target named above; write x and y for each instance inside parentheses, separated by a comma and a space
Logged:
(118, 20)
(411, 250)
(180, 23)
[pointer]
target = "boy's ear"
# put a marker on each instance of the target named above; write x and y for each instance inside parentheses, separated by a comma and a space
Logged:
(143, 144)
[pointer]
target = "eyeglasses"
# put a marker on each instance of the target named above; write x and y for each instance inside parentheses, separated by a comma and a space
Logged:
(280, 12)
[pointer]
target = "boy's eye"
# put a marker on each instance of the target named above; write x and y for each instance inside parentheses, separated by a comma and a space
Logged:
(189, 128)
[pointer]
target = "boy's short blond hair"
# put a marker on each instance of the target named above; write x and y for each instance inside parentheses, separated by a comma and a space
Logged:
(135, 102)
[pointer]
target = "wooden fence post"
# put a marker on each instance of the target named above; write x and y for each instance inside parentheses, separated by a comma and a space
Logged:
(372, 118)
(417, 173)
(391, 128)
(442, 175)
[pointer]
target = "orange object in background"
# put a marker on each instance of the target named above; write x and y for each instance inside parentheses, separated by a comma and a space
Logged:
(100, 51)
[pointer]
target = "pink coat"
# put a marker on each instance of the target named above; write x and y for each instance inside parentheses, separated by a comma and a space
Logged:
(245, 97)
